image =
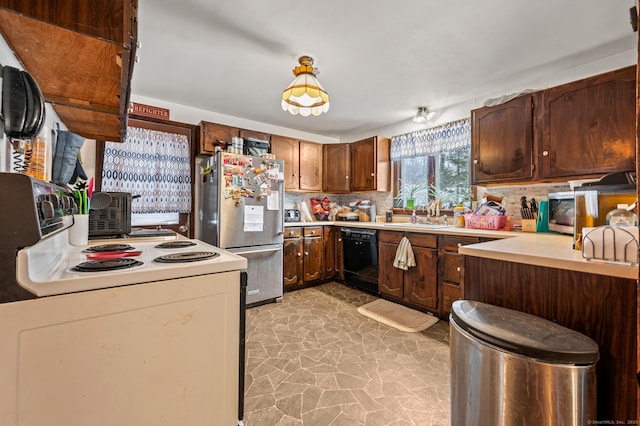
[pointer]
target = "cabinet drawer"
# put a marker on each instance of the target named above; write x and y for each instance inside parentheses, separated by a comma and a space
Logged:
(452, 267)
(450, 294)
(292, 232)
(418, 240)
(390, 237)
(313, 231)
(452, 243)
(423, 240)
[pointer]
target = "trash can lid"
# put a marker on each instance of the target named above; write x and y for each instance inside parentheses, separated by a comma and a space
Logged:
(524, 334)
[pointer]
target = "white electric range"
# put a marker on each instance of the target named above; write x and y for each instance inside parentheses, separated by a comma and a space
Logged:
(153, 343)
(53, 266)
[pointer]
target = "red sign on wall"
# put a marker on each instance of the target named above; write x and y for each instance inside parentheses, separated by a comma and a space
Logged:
(148, 111)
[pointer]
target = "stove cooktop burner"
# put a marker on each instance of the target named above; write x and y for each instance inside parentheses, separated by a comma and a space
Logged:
(192, 256)
(175, 244)
(109, 247)
(106, 265)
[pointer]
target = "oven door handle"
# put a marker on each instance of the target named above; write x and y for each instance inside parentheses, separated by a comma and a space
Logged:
(265, 250)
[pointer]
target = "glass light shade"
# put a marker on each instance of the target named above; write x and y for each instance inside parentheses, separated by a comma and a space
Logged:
(305, 95)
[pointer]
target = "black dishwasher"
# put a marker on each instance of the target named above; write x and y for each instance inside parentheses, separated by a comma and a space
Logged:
(360, 248)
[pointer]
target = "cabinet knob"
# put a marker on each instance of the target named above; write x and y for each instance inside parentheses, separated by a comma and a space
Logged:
(346, 177)
(545, 153)
(459, 244)
(339, 239)
(313, 232)
(373, 174)
(458, 269)
(475, 161)
(306, 253)
(299, 254)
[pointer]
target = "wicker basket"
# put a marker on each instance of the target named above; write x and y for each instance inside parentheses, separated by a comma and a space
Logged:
(484, 222)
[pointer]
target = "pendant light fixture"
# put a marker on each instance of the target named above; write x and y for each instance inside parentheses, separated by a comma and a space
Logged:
(305, 95)
(424, 114)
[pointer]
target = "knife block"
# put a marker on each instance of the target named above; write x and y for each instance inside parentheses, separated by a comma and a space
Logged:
(529, 225)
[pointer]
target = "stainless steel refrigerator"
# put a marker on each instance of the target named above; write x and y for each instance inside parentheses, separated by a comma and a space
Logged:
(241, 210)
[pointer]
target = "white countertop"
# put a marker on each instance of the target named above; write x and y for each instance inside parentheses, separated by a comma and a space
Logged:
(543, 249)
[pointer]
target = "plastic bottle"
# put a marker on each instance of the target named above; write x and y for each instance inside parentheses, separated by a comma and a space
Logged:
(414, 218)
(621, 217)
(372, 211)
(458, 216)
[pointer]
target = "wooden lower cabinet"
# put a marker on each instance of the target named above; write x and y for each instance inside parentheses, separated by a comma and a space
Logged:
(599, 306)
(452, 268)
(304, 257)
(313, 255)
(333, 263)
(418, 286)
(292, 258)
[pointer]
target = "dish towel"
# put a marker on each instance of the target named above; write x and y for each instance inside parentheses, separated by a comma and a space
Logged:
(404, 255)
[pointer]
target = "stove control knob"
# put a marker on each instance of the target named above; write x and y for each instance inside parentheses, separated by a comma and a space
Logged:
(48, 212)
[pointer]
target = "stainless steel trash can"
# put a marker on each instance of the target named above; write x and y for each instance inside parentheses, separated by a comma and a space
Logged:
(512, 368)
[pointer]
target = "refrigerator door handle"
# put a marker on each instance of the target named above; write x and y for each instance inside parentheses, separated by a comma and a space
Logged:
(266, 250)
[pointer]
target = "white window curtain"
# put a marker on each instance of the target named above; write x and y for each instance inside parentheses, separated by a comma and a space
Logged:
(452, 136)
(152, 164)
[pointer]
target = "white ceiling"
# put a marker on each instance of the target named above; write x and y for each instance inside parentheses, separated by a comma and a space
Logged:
(379, 59)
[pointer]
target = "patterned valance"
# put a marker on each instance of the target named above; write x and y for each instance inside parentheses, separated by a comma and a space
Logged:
(152, 164)
(452, 136)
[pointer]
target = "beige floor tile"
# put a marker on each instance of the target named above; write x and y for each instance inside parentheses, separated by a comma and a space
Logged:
(313, 360)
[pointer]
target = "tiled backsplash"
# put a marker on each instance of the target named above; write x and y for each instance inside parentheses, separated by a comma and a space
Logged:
(512, 194)
(384, 200)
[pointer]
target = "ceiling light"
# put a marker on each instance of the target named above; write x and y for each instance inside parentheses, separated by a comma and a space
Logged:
(424, 114)
(305, 95)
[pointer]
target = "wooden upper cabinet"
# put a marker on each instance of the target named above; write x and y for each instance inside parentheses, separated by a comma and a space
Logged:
(302, 163)
(370, 164)
(81, 54)
(254, 135)
(502, 141)
(336, 168)
(310, 166)
(286, 149)
(212, 134)
(589, 126)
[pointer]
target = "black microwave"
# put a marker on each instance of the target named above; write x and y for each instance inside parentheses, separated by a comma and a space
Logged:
(562, 207)
(255, 147)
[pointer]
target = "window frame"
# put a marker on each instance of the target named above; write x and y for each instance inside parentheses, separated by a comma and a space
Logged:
(189, 130)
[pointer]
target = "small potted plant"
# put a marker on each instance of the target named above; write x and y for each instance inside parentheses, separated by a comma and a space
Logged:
(411, 193)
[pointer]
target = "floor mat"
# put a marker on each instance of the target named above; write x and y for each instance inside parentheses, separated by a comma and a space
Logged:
(397, 316)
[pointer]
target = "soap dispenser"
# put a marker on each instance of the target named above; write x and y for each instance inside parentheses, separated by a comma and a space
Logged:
(414, 218)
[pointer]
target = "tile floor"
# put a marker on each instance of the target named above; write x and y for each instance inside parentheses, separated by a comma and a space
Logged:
(313, 360)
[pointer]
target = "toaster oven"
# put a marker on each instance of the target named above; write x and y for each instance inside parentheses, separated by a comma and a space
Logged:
(113, 220)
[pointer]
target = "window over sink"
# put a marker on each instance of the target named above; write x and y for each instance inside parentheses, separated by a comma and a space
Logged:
(432, 165)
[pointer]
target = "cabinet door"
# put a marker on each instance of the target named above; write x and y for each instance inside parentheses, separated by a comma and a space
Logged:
(210, 133)
(363, 161)
(292, 275)
(310, 166)
(502, 141)
(335, 177)
(450, 293)
(589, 126)
(339, 253)
(390, 278)
(254, 135)
(286, 149)
(329, 242)
(313, 259)
(421, 281)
